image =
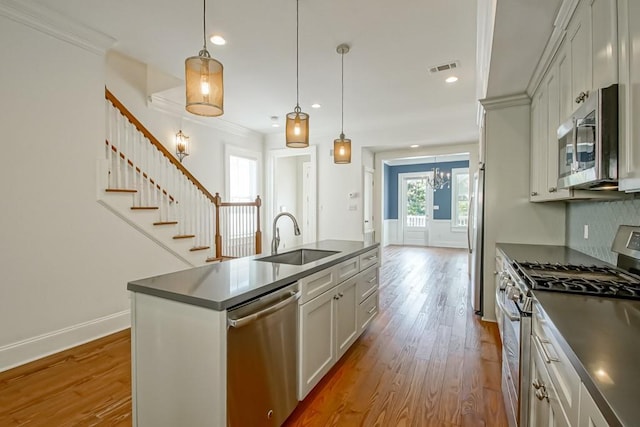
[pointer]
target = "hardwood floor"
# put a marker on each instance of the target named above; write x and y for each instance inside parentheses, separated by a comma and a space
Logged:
(426, 360)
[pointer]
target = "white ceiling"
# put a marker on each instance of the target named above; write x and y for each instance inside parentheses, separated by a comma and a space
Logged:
(391, 100)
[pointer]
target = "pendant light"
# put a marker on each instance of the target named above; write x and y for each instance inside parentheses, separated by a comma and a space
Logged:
(297, 129)
(342, 145)
(203, 80)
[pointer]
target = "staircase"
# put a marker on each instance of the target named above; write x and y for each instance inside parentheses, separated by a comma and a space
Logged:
(143, 183)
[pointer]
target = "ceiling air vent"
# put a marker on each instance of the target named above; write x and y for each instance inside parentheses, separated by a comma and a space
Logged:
(444, 67)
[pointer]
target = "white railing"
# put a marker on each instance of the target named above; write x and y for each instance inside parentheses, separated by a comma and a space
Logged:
(416, 221)
(137, 163)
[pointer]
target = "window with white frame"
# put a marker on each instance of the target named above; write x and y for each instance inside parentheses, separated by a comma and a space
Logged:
(459, 198)
(243, 182)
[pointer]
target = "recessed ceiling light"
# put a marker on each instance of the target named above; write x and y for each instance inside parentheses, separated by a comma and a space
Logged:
(274, 122)
(414, 146)
(451, 79)
(316, 105)
(218, 40)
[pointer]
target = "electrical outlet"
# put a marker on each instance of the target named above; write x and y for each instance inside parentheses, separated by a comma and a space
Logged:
(586, 231)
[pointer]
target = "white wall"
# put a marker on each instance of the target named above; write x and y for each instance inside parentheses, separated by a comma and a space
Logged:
(509, 217)
(66, 260)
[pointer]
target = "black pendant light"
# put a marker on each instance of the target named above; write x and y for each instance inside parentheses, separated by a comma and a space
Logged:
(297, 129)
(342, 145)
(203, 80)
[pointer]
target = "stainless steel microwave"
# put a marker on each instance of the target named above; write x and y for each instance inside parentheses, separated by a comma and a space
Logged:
(588, 143)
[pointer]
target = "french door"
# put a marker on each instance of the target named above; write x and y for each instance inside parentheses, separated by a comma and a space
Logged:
(415, 207)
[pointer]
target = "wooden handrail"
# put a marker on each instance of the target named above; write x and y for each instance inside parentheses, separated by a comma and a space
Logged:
(156, 143)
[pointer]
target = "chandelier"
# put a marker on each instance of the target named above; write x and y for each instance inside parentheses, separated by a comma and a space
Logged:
(440, 179)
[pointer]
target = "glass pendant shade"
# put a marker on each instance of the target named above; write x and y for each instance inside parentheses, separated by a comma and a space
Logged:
(297, 129)
(342, 150)
(204, 82)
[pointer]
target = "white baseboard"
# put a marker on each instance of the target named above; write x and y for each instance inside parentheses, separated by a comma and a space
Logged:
(21, 352)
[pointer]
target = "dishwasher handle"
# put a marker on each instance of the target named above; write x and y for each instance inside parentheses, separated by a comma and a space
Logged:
(238, 323)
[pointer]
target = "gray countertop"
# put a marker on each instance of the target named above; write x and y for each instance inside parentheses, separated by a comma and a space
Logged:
(222, 285)
(601, 336)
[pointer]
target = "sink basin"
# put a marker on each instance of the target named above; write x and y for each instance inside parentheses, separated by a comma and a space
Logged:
(297, 257)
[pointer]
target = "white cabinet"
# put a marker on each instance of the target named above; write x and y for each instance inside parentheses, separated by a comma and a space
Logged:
(585, 61)
(545, 408)
(629, 74)
(346, 302)
(333, 314)
(317, 341)
(590, 415)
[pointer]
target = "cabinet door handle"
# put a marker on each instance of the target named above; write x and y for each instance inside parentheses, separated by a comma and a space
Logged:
(336, 297)
(534, 193)
(545, 353)
(542, 394)
(340, 294)
(553, 189)
(373, 279)
(371, 310)
(369, 258)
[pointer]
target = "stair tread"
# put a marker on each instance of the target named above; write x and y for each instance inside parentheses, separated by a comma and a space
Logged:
(165, 223)
(121, 190)
(199, 248)
(184, 236)
(141, 208)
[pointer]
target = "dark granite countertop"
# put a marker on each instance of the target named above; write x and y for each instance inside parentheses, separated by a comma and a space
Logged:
(601, 336)
(222, 285)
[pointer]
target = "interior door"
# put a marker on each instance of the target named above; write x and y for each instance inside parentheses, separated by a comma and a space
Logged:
(416, 207)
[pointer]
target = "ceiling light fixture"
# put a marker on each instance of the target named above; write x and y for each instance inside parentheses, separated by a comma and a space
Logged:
(342, 145)
(451, 79)
(414, 146)
(218, 40)
(440, 179)
(203, 80)
(297, 129)
(274, 122)
(316, 105)
(182, 145)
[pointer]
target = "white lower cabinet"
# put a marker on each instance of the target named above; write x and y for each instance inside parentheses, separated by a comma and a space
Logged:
(590, 415)
(331, 322)
(545, 408)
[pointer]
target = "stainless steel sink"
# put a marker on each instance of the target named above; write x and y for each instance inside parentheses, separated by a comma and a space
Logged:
(297, 257)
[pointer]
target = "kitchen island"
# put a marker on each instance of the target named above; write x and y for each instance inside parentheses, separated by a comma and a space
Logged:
(179, 327)
(599, 335)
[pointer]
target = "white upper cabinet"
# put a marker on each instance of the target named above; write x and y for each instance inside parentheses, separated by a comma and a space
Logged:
(629, 74)
(585, 59)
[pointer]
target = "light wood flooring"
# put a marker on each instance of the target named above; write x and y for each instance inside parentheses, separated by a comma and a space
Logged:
(426, 360)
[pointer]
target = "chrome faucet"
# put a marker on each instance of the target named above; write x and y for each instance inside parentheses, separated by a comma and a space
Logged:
(275, 242)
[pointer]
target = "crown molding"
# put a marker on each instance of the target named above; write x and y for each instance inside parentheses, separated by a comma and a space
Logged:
(55, 24)
(507, 101)
(173, 108)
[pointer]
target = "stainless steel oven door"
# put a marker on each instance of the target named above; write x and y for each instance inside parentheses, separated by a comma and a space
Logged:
(510, 318)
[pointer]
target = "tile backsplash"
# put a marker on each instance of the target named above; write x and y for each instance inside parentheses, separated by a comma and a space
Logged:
(603, 219)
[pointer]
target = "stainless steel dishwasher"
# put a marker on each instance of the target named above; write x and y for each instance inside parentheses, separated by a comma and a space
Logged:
(262, 342)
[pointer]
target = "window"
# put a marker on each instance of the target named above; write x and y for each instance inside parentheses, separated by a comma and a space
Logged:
(242, 170)
(242, 179)
(459, 198)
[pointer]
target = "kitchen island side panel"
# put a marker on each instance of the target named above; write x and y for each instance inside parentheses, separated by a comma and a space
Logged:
(509, 217)
(178, 363)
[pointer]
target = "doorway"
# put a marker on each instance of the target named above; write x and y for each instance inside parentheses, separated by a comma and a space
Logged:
(416, 205)
(291, 187)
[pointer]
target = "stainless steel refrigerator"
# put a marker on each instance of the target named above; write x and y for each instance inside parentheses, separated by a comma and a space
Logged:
(475, 236)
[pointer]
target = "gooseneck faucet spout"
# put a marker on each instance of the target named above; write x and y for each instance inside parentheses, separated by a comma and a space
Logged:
(275, 241)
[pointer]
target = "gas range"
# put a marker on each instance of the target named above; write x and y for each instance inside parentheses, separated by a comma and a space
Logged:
(579, 279)
(622, 281)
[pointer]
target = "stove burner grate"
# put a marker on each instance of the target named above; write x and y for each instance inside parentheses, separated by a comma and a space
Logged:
(579, 279)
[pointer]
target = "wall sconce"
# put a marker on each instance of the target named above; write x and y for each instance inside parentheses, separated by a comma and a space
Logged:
(182, 145)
